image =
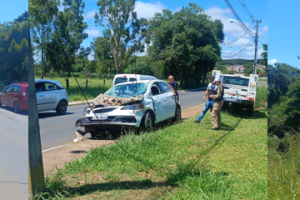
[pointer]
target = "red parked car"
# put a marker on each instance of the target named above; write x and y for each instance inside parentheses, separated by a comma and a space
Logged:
(15, 96)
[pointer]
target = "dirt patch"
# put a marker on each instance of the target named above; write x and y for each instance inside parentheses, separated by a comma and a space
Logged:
(58, 157)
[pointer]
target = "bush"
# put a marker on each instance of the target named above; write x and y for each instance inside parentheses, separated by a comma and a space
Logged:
(261, 100)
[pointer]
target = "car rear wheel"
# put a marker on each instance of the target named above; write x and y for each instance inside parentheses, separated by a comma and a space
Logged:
(149, 122)
(61, 108)
(16, 107)
(177, 117)
(250, 110)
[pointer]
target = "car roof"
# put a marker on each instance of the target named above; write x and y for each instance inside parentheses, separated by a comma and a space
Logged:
(45, 80)
(132, 75)
(142, 81)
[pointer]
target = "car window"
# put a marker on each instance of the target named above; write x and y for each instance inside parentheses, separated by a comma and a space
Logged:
(164, 87)
(127, 90)
(132, 79)
(50, 87)
(9, 89)
(120, 80)
(155, 89)
(236, 80)
(16, 89)
(39, 87)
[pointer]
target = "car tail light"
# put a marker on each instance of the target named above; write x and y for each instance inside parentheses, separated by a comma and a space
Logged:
(251, 99)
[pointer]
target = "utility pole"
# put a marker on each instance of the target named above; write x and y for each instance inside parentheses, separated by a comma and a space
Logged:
(256, 40)
(36, 181)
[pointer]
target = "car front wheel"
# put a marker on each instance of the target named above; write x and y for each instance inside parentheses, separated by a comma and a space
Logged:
(177, 117)
(149, 122)
(61, 108)
(16, 107)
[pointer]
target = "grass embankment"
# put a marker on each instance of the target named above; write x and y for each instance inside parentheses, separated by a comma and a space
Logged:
(184, 161)
(95, 87)
(284, 167)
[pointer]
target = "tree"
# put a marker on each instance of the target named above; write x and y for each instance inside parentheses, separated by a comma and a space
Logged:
(13, 52)
(264, 55)
(122, 27)
(248, 68)
(186, 43)
(41, 26)
(68, 36)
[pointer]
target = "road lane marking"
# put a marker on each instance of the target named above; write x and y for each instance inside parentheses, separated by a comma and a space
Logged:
(52, 148)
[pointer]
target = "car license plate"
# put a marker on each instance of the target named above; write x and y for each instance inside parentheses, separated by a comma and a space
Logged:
(231, 98)
(99, 117)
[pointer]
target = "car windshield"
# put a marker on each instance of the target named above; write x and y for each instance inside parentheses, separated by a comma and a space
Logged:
(128, 90)
(236, 81)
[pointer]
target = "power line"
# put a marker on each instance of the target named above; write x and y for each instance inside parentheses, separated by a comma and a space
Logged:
(249, 44)
(239, 21)
(247, 10)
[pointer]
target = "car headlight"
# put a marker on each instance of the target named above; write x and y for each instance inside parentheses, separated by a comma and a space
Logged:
(85, 111)
(131, 107)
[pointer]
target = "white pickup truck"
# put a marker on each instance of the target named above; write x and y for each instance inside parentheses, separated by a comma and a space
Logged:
(239, 90)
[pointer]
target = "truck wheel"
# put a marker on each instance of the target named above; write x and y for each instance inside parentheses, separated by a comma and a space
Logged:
(149, 122)
(16, 107)
(177, 117)
(250, 110)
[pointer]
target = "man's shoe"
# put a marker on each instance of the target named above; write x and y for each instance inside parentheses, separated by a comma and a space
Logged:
(215, 129)
(197, 122)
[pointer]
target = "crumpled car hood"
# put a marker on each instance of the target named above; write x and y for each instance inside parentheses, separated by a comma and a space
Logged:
(107, 100)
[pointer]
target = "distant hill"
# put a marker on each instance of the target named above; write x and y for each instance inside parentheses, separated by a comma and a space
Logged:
(237, 61)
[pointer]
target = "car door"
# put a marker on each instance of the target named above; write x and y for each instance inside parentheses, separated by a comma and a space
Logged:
(14, 94)
(156, 97)
(168, 98)
(6, 96)
(51, 94)
(40, 96)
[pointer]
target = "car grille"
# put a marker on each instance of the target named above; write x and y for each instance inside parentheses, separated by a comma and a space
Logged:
(109, 119)
(104, 110)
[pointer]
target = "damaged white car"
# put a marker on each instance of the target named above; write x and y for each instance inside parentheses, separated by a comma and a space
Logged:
(137, 105)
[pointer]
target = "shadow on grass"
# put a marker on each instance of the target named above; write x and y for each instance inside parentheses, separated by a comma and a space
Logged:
(257, 114)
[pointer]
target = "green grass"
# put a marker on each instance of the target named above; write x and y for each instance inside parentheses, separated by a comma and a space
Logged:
(183, 161)
(284, 167)
(262, 80)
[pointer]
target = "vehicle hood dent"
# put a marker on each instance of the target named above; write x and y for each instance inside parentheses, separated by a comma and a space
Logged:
(107, 100)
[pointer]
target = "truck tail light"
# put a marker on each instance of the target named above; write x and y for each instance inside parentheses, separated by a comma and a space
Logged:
(233, 95)
(251, 99)
(244, 96)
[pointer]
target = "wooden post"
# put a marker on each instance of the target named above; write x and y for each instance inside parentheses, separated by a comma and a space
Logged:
(36, 180)
(67, 83)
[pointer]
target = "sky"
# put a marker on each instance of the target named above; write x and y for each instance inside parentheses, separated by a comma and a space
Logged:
(284, 32)
(235, 38)
(11, 9)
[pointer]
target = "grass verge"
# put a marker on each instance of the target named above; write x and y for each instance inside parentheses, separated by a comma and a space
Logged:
(183, 161)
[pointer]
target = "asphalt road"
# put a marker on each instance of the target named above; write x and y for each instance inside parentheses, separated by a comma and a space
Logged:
(13, 155)
(58, 130)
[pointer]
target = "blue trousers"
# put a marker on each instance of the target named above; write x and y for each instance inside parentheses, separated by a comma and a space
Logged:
(209, 104)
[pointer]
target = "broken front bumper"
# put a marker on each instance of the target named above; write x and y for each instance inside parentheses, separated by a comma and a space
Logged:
(112, 122)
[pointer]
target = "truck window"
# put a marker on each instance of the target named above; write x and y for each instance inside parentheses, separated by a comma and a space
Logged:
(120, 80)
(132, 79)
(235, 81)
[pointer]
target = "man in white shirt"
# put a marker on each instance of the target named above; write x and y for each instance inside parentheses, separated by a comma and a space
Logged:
(211, 90)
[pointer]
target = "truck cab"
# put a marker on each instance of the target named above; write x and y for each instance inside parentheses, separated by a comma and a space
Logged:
(239, 90)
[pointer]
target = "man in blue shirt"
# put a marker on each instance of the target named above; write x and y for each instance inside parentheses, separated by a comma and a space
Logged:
(173, 84)
(211, 90)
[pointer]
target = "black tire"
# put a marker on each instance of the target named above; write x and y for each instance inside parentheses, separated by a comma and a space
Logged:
(149, 122)
(16, 107)
(62, 107)
(250, 110)
(92, 132)
(177, 117)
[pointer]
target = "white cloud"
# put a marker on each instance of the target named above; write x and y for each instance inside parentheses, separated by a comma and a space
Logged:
(217, 13)
(147, 10)
(90, 14)
(93, 33)
(272, 61)
(264, 28)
